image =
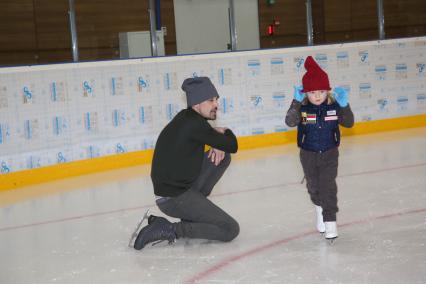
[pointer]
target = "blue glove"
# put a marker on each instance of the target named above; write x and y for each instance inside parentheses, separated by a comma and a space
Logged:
(341, 96)
(298, 95)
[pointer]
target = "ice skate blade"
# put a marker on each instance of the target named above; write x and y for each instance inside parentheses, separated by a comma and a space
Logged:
(137, 229)
(331, 241)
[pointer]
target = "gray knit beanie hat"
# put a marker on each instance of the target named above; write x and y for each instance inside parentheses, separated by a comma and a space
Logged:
(198, 90)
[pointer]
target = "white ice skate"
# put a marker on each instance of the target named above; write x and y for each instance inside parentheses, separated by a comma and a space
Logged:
(320, 222)
(331, 232)
(137, 229)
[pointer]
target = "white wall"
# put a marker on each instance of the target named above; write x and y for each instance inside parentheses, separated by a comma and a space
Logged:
(203, 25)
(52, 114)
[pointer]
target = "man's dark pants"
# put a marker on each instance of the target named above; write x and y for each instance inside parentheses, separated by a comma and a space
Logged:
(201, 218)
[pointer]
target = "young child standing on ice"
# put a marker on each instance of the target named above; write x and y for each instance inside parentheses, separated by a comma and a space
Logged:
(317, 112)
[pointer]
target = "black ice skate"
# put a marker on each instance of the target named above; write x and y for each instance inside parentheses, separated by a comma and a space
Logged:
(159, 229)
(138, 227)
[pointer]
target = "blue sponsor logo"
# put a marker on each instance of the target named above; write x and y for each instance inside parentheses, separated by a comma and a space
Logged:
(142, 115)
(88, 90)
(167, 81)
(401, 67)
(299, 61)
(365, 87)
(227, 105)
(28, 129)
(256, 131)
(383, 103)
(321, 59)
(421, 98)
(280, 129)
(277, 61)
(60, 158)
(342, 55)
(28, 95)
(257, 100)
(402, 102)
(33, 162)
(142, 83)
(93, 152)
(363, 56)
(118, 117)
(254, 67)
(4, 168)
(120, 148)
(278, 100)
(4, 132)
(380, 72)
(421, 69)
(54, 92)
(365, 90)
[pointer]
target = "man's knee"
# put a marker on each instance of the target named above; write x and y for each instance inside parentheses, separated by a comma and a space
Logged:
(226, 160)
(231, 229)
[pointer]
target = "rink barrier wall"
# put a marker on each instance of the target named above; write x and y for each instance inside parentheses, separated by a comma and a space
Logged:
(19, 179)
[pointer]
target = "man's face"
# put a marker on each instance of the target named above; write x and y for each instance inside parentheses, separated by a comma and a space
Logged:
(317, 97)
(207, 109)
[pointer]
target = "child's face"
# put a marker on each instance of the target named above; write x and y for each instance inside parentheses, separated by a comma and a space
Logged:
(317, 97)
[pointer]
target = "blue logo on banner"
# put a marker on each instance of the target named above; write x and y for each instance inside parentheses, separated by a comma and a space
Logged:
(167, 81)
(382, 104)
(254, 67)
(4, 132)
(256, 131)
(119, 148)
(141, 115)
(4, 168)
(421, 98)
(60, 158)
(87, 121)
(113, 86)
(299, 62)
(27, 94)
(421, 69)
(278, 61)
(54, 94)
(227, 105)
(59, 124)
(278, 100)
(363, 56)
(257, 100)
(321, 59)
(142, 83)
(92, 152)
(402, 102)
(28, 129)
(380, 72)
(33, 162)
(87, 88)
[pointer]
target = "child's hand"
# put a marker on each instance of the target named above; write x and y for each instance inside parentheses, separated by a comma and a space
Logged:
(341, 96)
(298, 95)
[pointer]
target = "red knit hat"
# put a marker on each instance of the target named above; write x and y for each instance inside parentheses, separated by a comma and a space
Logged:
(315, 79)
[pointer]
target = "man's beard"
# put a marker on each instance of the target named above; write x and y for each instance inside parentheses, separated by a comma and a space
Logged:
(213, 115)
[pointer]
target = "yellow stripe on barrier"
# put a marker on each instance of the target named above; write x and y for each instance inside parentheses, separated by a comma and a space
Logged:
(34, 176)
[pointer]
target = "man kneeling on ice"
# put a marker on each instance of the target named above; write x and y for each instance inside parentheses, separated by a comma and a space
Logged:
(184, 175)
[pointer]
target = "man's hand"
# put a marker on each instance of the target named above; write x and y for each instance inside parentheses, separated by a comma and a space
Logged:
(220, 129)
(216, 156)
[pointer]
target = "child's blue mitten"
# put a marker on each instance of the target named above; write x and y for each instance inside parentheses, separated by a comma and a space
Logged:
(341, 96)
(298, 95)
